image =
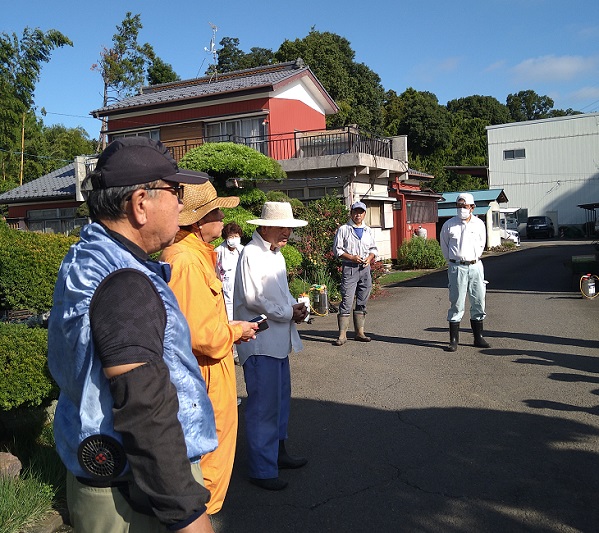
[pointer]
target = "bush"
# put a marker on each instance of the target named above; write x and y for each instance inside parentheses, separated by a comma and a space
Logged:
(293, 259)
(29, 265)
(420, 253)
(25, 380)
(319, 265)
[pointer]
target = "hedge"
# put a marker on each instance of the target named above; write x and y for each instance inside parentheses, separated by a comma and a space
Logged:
(25, 380)
(29, 265)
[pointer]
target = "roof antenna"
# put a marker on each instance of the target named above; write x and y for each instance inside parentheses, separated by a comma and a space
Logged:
(212, 50)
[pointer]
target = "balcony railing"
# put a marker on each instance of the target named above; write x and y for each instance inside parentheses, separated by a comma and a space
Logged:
(299, 144)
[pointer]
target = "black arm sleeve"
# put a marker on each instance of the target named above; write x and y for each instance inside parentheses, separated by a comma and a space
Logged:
(145, 413)
(128, 319)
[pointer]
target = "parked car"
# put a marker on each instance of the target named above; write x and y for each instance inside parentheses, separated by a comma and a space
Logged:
(539, 227)
(509, 234)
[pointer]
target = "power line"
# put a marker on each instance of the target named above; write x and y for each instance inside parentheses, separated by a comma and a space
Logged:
(13, 152)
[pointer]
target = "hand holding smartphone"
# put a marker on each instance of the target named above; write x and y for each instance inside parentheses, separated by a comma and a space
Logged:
(261, 320)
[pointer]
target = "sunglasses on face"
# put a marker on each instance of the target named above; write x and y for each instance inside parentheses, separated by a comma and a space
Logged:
(177, 190)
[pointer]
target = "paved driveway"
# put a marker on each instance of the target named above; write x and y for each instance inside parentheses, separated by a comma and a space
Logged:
(403, 436)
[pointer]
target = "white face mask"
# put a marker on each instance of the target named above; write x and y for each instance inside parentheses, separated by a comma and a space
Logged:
(233, 242)
(463, 212)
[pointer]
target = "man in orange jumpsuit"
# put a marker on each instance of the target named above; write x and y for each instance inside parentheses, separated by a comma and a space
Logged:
(199, 293)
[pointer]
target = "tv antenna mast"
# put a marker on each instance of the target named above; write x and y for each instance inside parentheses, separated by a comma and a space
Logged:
(212, 50)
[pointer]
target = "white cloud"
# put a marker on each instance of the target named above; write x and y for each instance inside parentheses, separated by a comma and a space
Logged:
(554, 68)
(498, 65)
(585, 94)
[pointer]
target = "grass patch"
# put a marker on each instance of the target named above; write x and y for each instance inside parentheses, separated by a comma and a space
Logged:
(23, 500)
(41, 485)
(401, 275)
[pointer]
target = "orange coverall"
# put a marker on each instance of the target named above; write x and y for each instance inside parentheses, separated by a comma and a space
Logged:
(199, 293)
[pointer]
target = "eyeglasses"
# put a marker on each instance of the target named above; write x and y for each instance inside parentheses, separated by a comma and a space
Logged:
(175, 189)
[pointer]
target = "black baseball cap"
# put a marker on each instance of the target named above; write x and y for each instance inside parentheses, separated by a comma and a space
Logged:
(138, 160)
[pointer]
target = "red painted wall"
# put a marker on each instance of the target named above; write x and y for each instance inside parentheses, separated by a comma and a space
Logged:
(196, 113)
(20, 211)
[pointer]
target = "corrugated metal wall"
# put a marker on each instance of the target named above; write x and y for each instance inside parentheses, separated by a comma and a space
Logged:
(559, 171)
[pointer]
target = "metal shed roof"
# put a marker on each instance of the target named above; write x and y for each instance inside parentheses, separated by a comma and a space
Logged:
(482, 199)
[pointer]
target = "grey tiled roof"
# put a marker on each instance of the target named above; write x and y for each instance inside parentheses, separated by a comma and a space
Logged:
(229, 82)
(57, 184)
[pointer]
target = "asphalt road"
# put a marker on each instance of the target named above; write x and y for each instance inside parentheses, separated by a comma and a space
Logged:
(403, 436)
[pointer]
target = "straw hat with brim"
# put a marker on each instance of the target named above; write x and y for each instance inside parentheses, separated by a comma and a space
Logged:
(199, 200)
(278, 214)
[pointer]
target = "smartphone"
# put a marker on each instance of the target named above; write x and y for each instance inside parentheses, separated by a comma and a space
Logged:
(262, 323)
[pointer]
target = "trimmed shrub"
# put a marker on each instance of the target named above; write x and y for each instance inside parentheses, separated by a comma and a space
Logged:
(320, 266)
(293, 259)
(420, 253)
(29, 264)
(25, 380)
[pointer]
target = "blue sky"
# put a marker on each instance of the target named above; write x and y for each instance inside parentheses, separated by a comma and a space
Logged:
(486, 47)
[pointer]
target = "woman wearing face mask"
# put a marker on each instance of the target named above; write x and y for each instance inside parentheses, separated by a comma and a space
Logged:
(463, 240)
(227, 255)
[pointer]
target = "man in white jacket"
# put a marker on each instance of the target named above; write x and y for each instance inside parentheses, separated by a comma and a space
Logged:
(261, 288)
(463, 240)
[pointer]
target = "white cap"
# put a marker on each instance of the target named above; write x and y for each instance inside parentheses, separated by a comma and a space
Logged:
(467, 197)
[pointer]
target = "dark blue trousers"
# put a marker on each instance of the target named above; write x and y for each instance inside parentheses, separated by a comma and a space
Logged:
(268, 386)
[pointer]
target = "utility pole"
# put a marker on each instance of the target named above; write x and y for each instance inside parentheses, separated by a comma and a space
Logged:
(22, 150)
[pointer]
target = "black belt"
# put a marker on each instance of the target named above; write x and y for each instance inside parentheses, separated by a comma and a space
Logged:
(101, 483)
(463, 262)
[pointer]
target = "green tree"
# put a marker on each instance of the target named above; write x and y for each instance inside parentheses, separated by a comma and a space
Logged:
(487, 108)
(418, 115)
(231, 57)
(21, 61)
(528, 105)
(356, 89)
(65, 144)
(160, 72)
(123, 65)
(233, 164)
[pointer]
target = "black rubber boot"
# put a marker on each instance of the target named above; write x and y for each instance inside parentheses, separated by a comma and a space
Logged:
(288, 461)
(273, 483)
(454, 336)
(477, 330)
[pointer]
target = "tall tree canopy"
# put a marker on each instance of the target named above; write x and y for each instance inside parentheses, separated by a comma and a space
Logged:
(487, 108)
(231, 57)
(21, 61)
(418, 115)
(160, 72)
(356, 89)
(528, 105)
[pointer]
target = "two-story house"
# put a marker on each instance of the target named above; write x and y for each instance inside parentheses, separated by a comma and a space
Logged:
(281, 111)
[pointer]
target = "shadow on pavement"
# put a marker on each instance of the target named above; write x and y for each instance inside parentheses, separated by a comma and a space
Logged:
(423, 470)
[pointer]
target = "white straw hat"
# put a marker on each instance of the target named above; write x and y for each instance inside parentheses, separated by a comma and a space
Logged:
(278, 214)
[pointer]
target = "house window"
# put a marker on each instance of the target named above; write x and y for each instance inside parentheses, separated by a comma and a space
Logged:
(514, 154)
(495, 219)
(418, 212)
(152, 134)
(373, 216)
(248, 131)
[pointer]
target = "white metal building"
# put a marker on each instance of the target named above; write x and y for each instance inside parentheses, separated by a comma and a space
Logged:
(547, 167)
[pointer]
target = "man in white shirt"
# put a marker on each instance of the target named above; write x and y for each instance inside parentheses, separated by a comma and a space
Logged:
(355, 246)
(463, 239)
(261, 288)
